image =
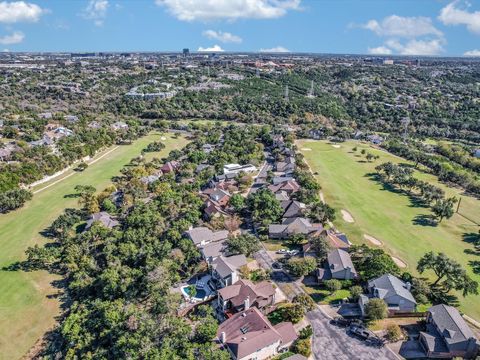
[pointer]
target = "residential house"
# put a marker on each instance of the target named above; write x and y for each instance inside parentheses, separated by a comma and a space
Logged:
(338, 266)
(286, 166)
(45, 115)
(375, 139)
(476, 153)
(170, 166)
(250, 335)
(119, 125)
(292, 226)
(71, 118)
(245, 294)
(211, 251)
(104, 218)
(202, 235)
(213, 209)
(447, 335)
(282, 196)
(237, 169)
(277, 140)
(395, 292)
(225, 269)
(94, 125)
(289, 186)
(208, 148)
(280, 179)
(336, 240)
(293, 208)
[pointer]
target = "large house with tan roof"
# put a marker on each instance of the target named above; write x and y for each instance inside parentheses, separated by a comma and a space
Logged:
(245, 294)
(250, 335)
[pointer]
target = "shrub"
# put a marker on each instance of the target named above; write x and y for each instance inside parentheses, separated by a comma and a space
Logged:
(333, 285)
(305, 301)
(302, 347)
(355, 292)
(394, 333)
(306, 332)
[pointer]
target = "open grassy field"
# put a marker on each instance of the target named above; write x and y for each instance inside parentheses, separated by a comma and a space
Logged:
(26, 309)
(388, 216)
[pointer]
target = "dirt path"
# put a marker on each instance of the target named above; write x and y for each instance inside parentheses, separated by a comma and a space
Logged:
(373, 240)
(336, 146)
(347, 217)
(306, 149)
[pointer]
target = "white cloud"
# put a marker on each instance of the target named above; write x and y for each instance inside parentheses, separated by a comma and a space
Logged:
(96, 11)
(276, 49)
(224, 37)
(204, 10)
(19, 11)
(417, 47)
(405, 27)
(452, 15)
(380, 50)
(14, 38)
(475, 52)
(214, 48)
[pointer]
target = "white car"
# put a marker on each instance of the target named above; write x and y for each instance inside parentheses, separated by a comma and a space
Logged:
(283, 251)
(293, 252)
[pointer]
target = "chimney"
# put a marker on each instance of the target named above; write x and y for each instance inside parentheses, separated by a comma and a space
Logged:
(223, 337)
(247, 303)
(408, 286)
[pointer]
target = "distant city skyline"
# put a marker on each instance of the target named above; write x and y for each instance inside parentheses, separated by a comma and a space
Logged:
(377, 27)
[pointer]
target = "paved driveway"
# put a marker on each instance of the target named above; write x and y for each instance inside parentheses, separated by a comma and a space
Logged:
(333, 343)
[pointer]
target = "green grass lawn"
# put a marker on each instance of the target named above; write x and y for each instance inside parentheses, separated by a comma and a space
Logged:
(389, 216)
(323, 296)
(26, 311)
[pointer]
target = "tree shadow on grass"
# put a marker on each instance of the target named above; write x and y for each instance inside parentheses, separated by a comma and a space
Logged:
(475, 264)
(425, 220)
(71, 196)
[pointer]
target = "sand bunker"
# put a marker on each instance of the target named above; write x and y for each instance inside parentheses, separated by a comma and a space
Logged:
(322, 198)
(163, 138)
(400, 263)
(374, 241)
(336, 146)
(306, 149)
(347, 216)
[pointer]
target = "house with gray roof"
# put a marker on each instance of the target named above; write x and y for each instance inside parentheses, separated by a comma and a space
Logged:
(447, 335)
(213, 250)
(292, 226)
(293, 208)
(202, 235)
(395, 292)
(250, 335)
(339, 266)
(225, 269)
(104, 218)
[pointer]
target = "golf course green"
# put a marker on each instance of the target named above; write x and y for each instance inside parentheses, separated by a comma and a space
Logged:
(27, 299)
(369, 213)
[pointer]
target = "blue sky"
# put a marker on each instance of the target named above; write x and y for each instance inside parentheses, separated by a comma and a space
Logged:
(409, 27)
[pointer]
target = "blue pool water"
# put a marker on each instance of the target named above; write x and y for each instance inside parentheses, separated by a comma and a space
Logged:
(200, 293)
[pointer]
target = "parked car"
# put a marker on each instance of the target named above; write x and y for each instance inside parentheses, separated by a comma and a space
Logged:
(276, 265)
(375, 341)
(293, 252)
(359, 331)
(340, 321)
(282, 251)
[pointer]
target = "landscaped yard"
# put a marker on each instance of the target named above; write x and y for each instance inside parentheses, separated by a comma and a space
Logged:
(389, 217)
(323, 296)
(25, 311)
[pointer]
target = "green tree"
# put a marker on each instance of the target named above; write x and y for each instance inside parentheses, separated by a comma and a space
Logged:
(206, 330)
(450, 275)
(264, 207)
(321, 212)
(394, 333)
(302, 347)
(376, 309)
(301, 266)
(444, 208)
(237, 201)
(321, 246)
(246, 244)
(371, 262)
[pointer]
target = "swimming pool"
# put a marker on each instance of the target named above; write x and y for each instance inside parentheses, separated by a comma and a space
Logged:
(200, 294)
